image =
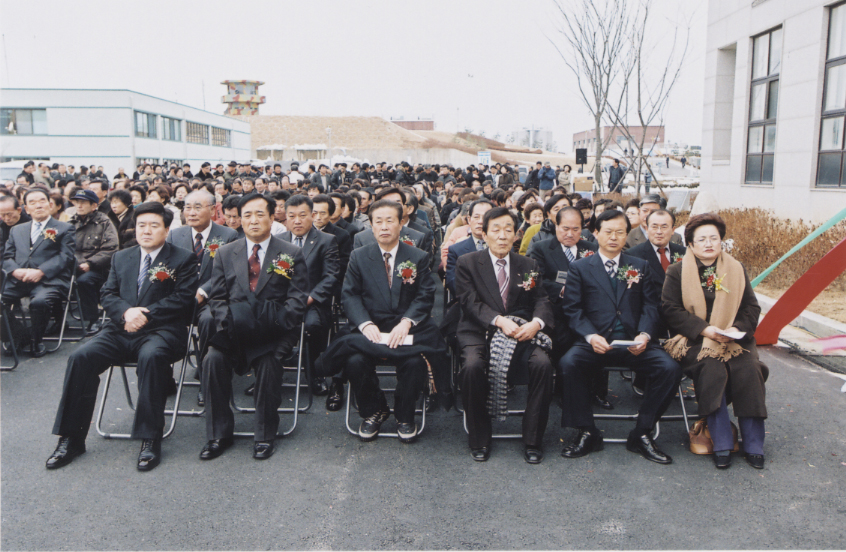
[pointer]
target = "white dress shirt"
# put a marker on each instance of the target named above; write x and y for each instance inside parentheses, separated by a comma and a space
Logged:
(153, 255)
(205, 233)
(507, 269)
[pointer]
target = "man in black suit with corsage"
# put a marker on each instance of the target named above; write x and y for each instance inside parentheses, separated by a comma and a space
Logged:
(503, 302)
(37, 263)
(148, 298)
(259, 289)
(610, 297)
(389, 289)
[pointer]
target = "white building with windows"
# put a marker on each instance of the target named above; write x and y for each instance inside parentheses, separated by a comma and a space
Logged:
(114, 128)
(775, 102)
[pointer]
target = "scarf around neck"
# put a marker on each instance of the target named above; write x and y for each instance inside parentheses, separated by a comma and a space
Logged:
(732, 282)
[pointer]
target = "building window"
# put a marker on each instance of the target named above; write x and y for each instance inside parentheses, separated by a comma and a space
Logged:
(197, 133)
(763, 107)
(145, 125)
(220, 137)
(831, 166)
(147, 161)
(171, 129)
(23, 121)
(169, 162)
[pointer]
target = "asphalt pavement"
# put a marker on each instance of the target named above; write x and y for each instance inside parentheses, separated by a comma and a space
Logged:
(324, 489)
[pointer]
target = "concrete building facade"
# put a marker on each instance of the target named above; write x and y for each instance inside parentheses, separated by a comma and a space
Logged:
(114, 128)
(774, 109)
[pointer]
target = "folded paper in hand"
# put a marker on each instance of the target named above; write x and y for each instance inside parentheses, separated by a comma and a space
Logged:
(622, 344)
(733, 335)
(409, 339)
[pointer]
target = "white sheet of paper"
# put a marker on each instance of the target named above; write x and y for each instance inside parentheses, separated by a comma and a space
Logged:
(621, 344)
(733, 335)
(409, 339)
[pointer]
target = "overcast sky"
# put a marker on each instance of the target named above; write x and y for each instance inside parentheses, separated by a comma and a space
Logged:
(482, 64)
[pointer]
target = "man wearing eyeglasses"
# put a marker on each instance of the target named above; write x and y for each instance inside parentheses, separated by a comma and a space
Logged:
(637, 236)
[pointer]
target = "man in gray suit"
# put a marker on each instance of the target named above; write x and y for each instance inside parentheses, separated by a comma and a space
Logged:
(37, 263)
(204, 238)
(637, 236)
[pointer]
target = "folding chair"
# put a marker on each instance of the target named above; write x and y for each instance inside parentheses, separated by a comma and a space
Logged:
(633, 417)
(300, 352)
(174, 412)
(391, 372)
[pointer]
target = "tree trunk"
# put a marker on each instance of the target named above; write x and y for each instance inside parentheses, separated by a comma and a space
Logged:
(597, 165)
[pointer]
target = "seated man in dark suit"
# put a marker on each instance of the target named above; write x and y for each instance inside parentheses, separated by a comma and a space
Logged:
(337, 218)
(204, 238)
(258, 295)
(38, 263)
(324, 208)
(408, 235)
(475, 242)
(495, 286)
(150, 289)
(637, 236)
(321, 256)
(389, 289)
(610, 297)
(11, 214)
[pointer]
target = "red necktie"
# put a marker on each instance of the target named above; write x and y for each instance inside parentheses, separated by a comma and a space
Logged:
(255, 267)
(665, 261)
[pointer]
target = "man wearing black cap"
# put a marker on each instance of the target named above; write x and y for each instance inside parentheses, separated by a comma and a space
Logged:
(96, 241)
(231, 171)
(186, 171)
(205, 172)
(637, 236)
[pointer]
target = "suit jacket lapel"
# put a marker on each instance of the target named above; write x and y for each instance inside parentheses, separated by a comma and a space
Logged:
(308, 242)
(377, 271)
(242, 270)
(130, 275)
(601, 276)
(655, 262)
(396, 279)
(559, 256)
(205, 259)
(486, 270)
(272, 252)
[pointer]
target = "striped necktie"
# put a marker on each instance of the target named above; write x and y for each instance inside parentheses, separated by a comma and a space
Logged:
(569, 254)
(144, 270)
(36, 231)
(502, 281)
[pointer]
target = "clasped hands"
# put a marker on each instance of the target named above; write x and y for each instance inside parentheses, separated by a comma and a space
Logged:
(134, 319)
(28, 275)
(526, 332)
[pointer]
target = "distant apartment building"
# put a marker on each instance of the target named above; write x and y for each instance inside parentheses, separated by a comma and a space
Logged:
(114, 128)
(533, 138)
(775, 105)
(615, 139)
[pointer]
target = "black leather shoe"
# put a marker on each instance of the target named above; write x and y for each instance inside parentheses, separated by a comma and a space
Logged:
(585, 443)
(645, 446)
(604, 404)
(755, 460)
(262, 450)
(67, 449)
(335, 399)
(94, 327)
(215, 448)
(722, 461)
(407, 432)
(201, 400)
(39, 350)
(369, 428)
(533, 455)
(319, 387)
(250, 390)
(150, 455)
(480, 454)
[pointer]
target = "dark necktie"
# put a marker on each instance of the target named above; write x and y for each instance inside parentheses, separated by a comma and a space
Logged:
(144, 270)
(388, 268)
(481, 245)
(665, 261)
(502, 281)
(198, 247)
(610, 268)
(255, 267)
(299, 242)
(569, 254)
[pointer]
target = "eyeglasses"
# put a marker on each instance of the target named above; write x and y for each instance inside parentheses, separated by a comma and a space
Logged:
(709, 240)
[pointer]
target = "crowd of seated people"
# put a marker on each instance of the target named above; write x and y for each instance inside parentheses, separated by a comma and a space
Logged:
(545, 287)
